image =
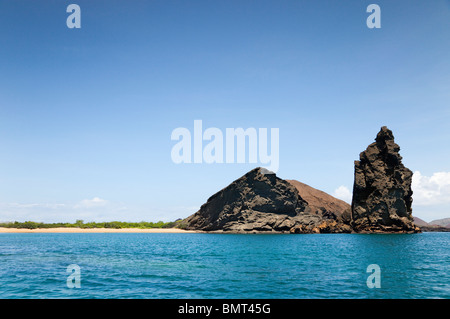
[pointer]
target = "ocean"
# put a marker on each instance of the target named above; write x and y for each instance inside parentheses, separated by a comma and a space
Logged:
(178, 266)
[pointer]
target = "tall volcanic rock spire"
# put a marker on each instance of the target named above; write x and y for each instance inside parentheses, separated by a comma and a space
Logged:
(382, 194)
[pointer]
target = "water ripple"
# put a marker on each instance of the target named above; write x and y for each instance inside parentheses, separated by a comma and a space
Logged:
(224, 265)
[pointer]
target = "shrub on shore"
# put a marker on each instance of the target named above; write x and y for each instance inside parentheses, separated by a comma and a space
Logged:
(82, 224)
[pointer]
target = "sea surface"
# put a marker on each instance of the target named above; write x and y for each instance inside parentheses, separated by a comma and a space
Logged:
(154, 266)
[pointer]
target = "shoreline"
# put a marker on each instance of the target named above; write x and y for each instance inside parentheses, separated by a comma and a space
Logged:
(96, 230)
(151, 231)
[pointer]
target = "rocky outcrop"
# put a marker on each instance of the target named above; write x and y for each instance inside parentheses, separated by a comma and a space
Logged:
(435, 228)
(382, 195)
(255, 202)
(262, 202)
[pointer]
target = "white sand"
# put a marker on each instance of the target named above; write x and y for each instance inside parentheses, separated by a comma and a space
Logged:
(93, 230)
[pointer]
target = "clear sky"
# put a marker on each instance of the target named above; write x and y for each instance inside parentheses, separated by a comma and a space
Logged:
(86, 115)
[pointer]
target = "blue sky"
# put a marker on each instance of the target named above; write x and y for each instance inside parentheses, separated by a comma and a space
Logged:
(86, 115)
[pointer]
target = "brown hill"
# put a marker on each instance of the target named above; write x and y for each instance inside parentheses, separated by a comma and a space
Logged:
(444, 222)
(321, 201)
(420, 222)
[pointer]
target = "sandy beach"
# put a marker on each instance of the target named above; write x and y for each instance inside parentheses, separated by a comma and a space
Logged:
(93, 230)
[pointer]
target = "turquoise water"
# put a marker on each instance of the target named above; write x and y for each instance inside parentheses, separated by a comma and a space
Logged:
(224, 265)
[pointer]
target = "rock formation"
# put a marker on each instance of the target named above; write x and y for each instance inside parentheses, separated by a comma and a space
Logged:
(262, 202)
(382, 194)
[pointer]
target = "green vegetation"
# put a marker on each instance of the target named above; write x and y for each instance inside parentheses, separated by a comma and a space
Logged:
(82, 224)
